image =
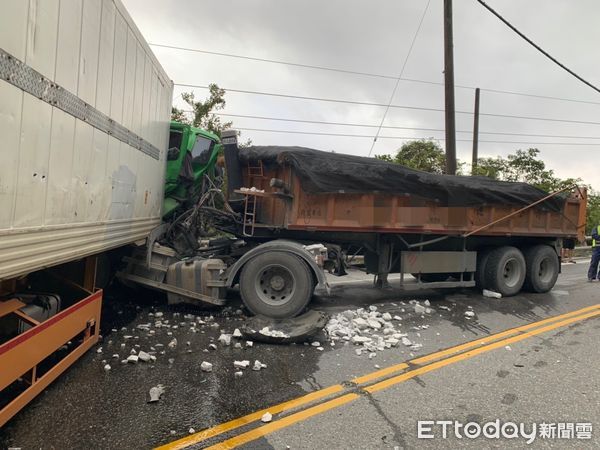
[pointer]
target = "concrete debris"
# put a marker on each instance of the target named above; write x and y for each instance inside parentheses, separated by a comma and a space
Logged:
(238, 374)
(491, 294)
(266, 417)
(447, 308)
(173, 343)
(427, 303)
(273, 333)
(124, 361)
(116, 356)
(371, 331)
(206, 366)
(99, 350)
(241, 364)
(133, 351)
(419, 309)
(132, 359)
(373, 308)
(320, 349)
(469, 314)
(212, 346)
(258, 365)
(237, 333)
(225, 339)
(316, 344)
(249, 343)
(107, 367)
(143, 356)
(237, 345)
(191, 431)
(158, 314)
(156, 392)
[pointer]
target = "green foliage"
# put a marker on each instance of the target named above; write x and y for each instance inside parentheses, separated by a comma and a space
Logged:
(426, 155)
(593, 211)
(203, 111)
(524, 166)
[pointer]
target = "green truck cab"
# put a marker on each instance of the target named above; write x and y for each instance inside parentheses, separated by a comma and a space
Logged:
(192, 153)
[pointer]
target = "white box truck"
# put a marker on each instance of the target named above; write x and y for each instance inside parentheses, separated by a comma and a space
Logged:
(84, 126)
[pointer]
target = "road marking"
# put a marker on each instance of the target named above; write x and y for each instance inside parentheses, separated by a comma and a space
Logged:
(253, 417)
(467, 355)
(484, 345)
(256, 433)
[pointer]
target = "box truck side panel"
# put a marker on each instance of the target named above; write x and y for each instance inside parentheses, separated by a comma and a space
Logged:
(84, 121)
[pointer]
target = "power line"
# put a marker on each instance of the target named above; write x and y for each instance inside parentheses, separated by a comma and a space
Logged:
(537, 47)
(392, 127)
(316, 133)
(387, 108)
(418, 108)
(370, 74)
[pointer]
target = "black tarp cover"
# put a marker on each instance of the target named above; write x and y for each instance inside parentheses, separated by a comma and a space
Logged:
(328, 172)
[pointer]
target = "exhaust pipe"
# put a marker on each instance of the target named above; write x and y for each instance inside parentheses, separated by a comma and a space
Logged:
(232, 163)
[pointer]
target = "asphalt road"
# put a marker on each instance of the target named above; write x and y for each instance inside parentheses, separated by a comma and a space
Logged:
(545, 373)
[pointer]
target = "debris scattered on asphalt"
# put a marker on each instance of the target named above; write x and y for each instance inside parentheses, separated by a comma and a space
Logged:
(107, 367)
(238, 374)
(191, 431)
(284, 331)
(225, 339)
(173, 343)
(132, 359)
(99, 350)
(258, 365)
(206, 366)
(237, 333)
(266, 417)
(156, 392)
(491, 294)
(469, 314)
(241, 364)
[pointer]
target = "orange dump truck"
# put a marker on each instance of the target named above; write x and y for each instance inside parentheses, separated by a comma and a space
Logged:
(446, 231)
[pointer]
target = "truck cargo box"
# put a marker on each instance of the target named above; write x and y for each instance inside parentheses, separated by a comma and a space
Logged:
(84, 121)
(332, 192)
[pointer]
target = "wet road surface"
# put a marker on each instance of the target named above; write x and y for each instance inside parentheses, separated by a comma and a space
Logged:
(549, 376)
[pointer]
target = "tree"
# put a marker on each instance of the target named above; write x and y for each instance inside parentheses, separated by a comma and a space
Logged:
(426, 155)
(524, 166)
(593, 211)
(203, 111)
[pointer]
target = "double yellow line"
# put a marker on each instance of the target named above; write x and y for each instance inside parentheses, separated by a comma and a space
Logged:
(391, 376)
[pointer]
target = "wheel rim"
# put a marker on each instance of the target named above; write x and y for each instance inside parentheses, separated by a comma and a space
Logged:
(545, 270)
(275, 285)
(511, 272)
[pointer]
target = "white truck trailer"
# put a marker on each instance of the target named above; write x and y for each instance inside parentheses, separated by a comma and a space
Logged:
(84, 123)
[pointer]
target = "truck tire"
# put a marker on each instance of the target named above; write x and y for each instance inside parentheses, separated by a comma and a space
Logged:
(276, 284)
(542, 268)
(482, 259)
(505, 271)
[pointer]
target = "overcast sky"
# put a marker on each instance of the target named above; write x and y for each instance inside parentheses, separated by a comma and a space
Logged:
(374, 36)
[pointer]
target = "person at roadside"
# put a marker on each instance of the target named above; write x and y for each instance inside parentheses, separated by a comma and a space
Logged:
(568, 248)
(593, 272)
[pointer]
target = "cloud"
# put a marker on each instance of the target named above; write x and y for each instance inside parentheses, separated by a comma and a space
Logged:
(374, 36)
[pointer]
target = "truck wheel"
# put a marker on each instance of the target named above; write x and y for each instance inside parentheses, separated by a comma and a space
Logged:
(505, 271)
(482, 259)
(542, 268)
(276, 284)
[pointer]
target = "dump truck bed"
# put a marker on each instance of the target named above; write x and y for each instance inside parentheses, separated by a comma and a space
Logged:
(344, 193)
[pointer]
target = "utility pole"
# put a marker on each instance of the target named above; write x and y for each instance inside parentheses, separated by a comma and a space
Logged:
(475, 133)
(449, 90)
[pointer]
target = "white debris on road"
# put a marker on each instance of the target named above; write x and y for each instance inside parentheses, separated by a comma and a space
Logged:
(273, 333)
(266, 417)
(206, 366)
(156, 392)
(225, 339)
(237, 333)
(107, 367)
(469, 314)
(132, 359)
(258, 365)
(173, 343)
(241, 364)
(491, 294)
(370, 330)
